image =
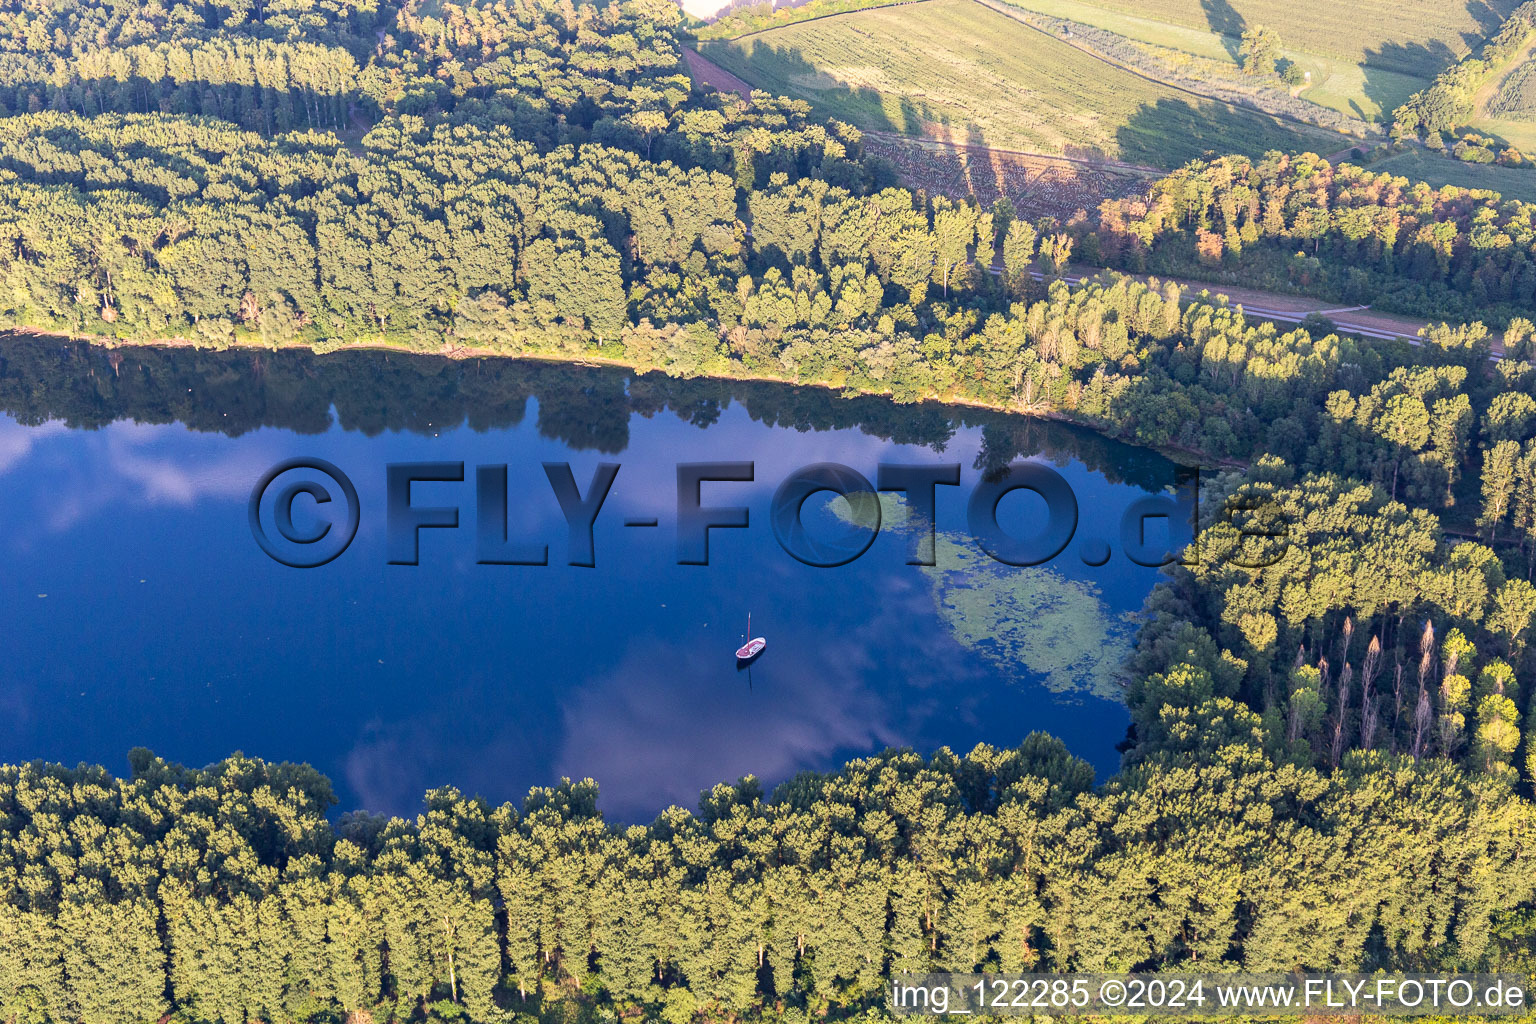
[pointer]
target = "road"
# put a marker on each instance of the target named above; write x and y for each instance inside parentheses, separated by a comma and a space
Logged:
(1291, 309)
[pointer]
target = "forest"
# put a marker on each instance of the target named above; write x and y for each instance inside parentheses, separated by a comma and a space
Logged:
(1298, 223)
(1333, 737)
(226, 894)
(648, 265)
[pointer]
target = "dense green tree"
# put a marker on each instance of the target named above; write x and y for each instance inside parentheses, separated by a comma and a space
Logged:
(1260, 49)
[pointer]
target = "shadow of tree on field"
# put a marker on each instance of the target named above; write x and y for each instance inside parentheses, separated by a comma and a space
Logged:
(786, 72)
(1164, 134)
(982, 171)
(966, 160)
(1383, 70)
(940, 170)
(1226, 22)
(1170, 133)
(1424, 60)
(1095, 153)
(912, 117)
(1489, 15)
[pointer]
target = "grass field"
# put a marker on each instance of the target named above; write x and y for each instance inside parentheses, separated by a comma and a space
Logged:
(1417, 165)
(1338, 82)
(1199, 41)
(955, 70)
(1519, 132)
(1415, 37)
(1367, 92)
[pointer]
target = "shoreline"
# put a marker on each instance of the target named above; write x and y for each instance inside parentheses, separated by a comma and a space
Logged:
(1174, 453)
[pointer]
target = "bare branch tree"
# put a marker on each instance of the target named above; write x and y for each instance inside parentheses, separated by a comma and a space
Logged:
(1423, 715)
(1370, 713)
(1345, 678)
(1346, 634)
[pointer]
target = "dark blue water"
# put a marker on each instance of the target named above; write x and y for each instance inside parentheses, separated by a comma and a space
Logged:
(139, 609)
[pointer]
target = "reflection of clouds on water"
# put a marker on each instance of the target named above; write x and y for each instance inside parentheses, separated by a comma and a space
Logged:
(658, 729)
(158, 480)
(652, 489)
(664, 726)
(669, 721)
(498, 680)
(387, 766)
(391, 764)
(92, 473)
(17, 441)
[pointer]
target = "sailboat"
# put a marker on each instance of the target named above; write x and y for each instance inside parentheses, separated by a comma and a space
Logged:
(753, 647)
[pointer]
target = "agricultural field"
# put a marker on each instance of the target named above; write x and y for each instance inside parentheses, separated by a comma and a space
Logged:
(1506, 105)
(1201, 42)
(1415, 37)
(1516, 95)
(1368, 75)
(1418, 165)
(957, 71)
(1519, 132)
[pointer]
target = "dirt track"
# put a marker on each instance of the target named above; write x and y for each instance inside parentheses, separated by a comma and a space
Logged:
(707, 72)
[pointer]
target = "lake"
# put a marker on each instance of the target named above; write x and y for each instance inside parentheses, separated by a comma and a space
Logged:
(141, 611)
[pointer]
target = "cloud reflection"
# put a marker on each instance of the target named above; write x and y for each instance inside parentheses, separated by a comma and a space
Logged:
(92, 474)
(664, 726)
(156, 479)
(668, 721)
(386, 769)
(17, 441)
